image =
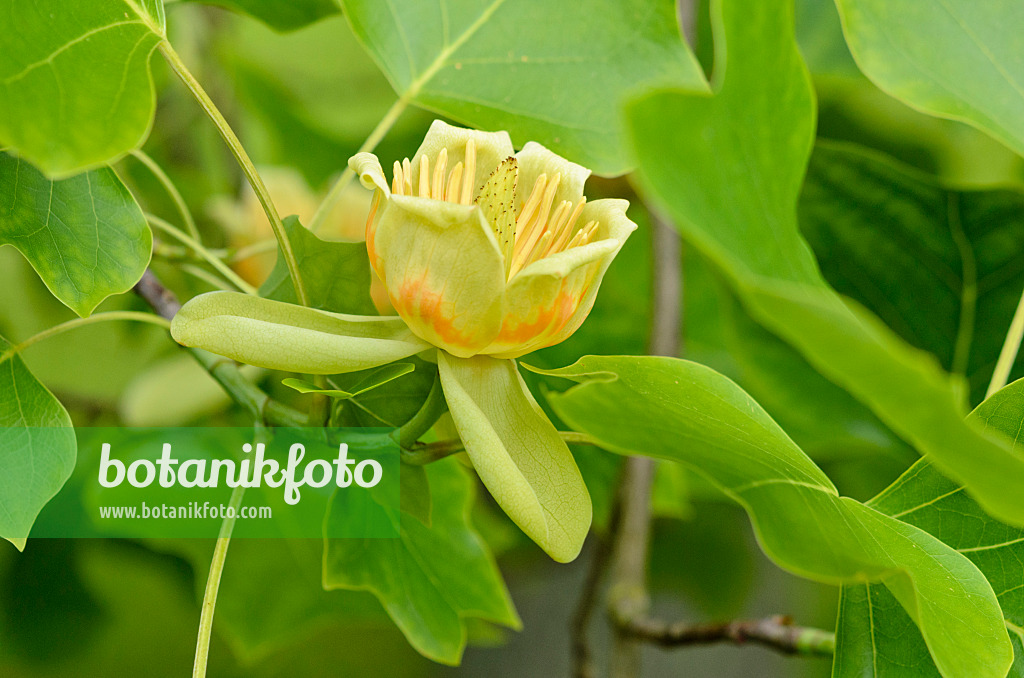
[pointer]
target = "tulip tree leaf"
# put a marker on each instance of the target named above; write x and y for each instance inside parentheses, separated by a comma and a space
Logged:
(336, 274)
(281, 15)
(37, 447)
(75, 80)
(889, 236)
(496, 64)
(735, 198)
(430, 579)
(978, 75)
(875, 636)
(681, 411)
(85, 236)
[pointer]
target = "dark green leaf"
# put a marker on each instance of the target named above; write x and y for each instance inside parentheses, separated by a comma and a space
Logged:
(37, 447)
(551, 72)
(729, 168)
(673, 409)
(75, 80)
(85, 236)
(875, 636)
(336, 274)
(431, 578)
(889, 236)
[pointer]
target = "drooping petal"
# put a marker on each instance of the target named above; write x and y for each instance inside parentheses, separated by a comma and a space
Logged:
(517, 452)
(288, 337)
(491, 149)
(535, 160)
(443, 271)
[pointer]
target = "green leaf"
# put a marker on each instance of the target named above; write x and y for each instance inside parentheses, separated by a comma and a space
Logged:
(336, 274)
(875, 636)
(393, 404)
(888, 237)
(376, 378)
(497, 65)
(37, 447)
(681, 411)
(281, 15)
(85, 236)
(75, 80)
(517, 452)
(729, 169)
(430, 579)
(976, 77)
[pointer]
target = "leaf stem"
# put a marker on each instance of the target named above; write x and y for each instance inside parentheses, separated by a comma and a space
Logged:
(178, 66)
(220, 554)
(172, 191)
(199, 249)
(378, 133)
(1008, 355)
(81, 322)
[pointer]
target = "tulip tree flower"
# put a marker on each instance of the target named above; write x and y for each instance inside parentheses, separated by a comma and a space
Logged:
(486, 255)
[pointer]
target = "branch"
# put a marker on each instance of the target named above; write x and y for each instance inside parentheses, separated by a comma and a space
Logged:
(777, 632)
(224, 371)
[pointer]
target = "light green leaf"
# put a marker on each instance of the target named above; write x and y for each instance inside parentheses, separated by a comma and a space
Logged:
(875, 637)
(291, 338)
(37, 447)
(495, 64)
(378, 377)
(429, 579)
(889, 236)
(978, 74)
(681, 411)
(85, 236)
(517, 452)
(75, 80)
(336, 275)
(281, 15)
(729, 169)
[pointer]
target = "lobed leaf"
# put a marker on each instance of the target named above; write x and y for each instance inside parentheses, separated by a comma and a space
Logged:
(685, 412)
(731, 181)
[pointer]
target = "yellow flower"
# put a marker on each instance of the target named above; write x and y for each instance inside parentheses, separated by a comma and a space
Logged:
(487, 251)
(486, 255)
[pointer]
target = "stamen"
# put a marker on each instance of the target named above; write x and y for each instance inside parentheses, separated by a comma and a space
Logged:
(566, 233)
(424, 176)
(407, 173)
(454, 191)
(557, 224)
(537, 227)
(469, 183)
(525, 221)
(437, 186)
(398, 181)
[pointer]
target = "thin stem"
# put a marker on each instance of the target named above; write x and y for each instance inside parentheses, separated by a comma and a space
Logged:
(1008, 355)
(254, 249)
(221, 267)
(378, 133)
(220, 554)
(224, 371)
(777, 632)
(421, 454)
(172, 191)
(258, 187)
(81, 322)
(207, 277)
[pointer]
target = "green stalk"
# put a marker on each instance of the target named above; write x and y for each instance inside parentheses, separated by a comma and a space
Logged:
(1008, 355)
(172, 191)
(81, 322)
(199, 249)
(378, 133)
(178, 66)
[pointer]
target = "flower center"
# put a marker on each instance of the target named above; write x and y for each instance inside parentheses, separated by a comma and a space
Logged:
(539, 230)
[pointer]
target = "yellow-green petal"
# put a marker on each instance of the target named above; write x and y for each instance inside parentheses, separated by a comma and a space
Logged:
(491, 149)
(371, 174)
(443, 271)
(292, 338)
(535, 160)
(517, 452)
